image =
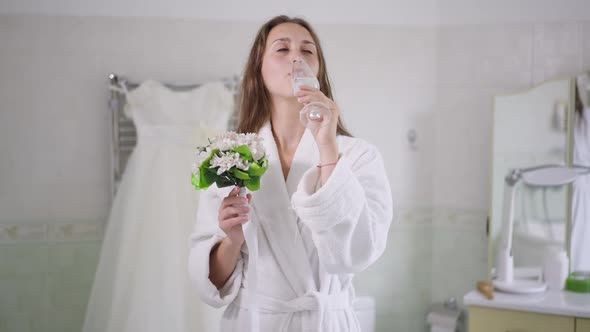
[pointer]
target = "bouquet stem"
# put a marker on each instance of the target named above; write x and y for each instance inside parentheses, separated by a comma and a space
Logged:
(251, 238)
(243, 191)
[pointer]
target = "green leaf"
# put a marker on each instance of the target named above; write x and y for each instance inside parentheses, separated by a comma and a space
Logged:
(206, 178)
(223, 182)
(240, 174)
(194, 181)
(255, 170)
(253, 184)
(207, 175)
(250, 179)
(244, 152)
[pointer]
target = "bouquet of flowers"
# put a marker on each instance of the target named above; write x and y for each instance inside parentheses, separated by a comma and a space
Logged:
(231, 159)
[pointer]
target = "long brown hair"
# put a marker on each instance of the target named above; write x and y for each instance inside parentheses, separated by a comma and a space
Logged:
(254, 98)
(579, 106)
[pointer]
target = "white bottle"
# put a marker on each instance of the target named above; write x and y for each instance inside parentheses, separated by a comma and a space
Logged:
(555, 269)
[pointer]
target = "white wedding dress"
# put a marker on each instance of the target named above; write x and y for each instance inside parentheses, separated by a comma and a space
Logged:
(141, 283)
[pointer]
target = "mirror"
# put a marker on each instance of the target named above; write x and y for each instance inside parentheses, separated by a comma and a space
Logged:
(531, 128)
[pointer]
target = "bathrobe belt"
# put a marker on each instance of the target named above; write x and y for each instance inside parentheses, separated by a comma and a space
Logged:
(313, 301)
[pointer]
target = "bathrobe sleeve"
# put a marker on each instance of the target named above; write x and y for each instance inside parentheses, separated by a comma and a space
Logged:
(205, 236)
(349, 216)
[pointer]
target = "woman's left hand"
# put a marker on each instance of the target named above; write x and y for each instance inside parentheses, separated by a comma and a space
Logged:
(325, 134)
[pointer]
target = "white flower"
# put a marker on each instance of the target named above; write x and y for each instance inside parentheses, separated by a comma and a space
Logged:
(254, 143)
(257, 151)
(200, 156)
(231, 140)
(226, 141)
(226, 160)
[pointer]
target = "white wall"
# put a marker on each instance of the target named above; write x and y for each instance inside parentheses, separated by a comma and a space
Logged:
(474, 63)
(391, 12)
(421, 12)
(454, 12)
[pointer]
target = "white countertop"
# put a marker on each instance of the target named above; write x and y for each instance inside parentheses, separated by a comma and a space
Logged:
(552, 302)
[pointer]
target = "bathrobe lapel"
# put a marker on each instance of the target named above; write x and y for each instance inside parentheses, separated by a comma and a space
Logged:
(272, 205)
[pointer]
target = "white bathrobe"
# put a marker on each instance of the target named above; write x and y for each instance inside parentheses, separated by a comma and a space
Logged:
(312, 239)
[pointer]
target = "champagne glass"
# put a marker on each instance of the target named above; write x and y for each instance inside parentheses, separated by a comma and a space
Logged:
(315, 114)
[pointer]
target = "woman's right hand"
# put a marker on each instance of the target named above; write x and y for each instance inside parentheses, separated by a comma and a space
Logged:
(233, 212)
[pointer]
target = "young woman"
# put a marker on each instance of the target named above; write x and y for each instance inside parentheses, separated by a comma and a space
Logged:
(324, 206)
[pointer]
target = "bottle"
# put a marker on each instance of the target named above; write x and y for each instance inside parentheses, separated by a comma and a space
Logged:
(555, 269)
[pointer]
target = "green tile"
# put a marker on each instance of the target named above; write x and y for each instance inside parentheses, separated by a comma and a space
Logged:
(23, 259)
(66, 320)
(61, 256)
(88, 253)
(44, 287)
(18, 292)
(69, 298)
(17, 322)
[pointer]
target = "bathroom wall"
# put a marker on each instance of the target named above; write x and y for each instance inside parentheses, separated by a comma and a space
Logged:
(389, 12)
(388, 79)
(474, 63)
(445, 241)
